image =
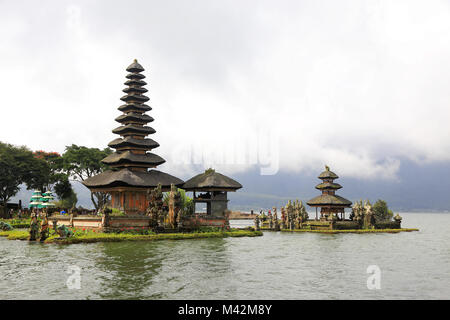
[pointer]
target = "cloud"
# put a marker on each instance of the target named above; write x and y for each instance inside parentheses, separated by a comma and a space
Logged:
(355, 85)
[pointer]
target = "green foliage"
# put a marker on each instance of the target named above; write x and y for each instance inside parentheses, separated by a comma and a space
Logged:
(17, 166)
(117, 212)
(81, 163)
(63, 188)
(382, 212)
(68, 201)
(187, 203)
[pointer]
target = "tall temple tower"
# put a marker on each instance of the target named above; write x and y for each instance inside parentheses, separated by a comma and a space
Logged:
(328, 201)
(132, 163)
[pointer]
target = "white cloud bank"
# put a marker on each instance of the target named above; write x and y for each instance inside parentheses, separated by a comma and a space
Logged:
(356, 85)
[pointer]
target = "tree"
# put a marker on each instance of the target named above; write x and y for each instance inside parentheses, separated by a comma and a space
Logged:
(52, 171)
(381, 211)
(63, 188)
(17, 166)
(81, 163)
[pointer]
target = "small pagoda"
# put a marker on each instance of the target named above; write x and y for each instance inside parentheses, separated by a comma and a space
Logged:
(328, 202)
(132, 163)
(213, 188)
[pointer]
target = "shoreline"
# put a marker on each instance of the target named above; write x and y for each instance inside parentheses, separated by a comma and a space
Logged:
(113, 237)
(345, 231)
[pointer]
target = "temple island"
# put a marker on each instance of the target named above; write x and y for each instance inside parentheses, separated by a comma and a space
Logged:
(137, 188)
(331, 219)
(148, 204)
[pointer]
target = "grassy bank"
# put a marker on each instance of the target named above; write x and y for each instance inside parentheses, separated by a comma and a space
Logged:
(354, 230)
(18, 223)
(15, 234)
(90, 237)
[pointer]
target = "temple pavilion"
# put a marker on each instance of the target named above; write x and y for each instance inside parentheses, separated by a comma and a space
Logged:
(213, 188)
(329, 202)
(132, 164)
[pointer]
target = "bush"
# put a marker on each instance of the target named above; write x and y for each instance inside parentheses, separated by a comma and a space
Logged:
(382, 212)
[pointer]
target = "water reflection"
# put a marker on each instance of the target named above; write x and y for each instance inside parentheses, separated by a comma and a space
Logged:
(128, 268)
(275, 266)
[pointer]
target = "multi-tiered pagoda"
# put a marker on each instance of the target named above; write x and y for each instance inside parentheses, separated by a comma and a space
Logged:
(132, 164)
(328, 202)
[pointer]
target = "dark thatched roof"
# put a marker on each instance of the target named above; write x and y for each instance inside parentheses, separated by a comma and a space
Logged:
(135, 117)
(135, 90)
(329, 200)
(135, 97)
(135, 82)
(134, 106)
(130, 128)
(327, 174)
(328, 185)
(135, 67)
(127, 157)
(135, 76)
(132, 142)
(211, 180)
(126, 177)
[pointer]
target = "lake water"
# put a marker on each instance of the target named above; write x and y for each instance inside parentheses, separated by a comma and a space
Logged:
(414, 265)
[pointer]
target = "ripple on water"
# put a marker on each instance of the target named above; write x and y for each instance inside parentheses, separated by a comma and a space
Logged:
(276, 266)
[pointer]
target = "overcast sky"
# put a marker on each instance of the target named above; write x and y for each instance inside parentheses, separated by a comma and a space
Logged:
(358, 85)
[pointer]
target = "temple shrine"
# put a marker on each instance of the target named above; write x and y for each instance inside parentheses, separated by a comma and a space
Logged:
(132, 164)
(213, 188)
(329, 202)
(210, 188)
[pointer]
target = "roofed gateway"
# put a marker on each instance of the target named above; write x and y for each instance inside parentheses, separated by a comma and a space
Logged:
(130, 177)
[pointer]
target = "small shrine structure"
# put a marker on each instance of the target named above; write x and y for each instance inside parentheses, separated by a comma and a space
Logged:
(132, 165)
(211, 188)
(329, 202)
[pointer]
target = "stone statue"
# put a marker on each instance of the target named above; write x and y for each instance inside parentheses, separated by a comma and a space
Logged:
(34, 227)
(275, 223)
(154, 210)
(44, 228)
(369, 218)
(174, 206)
(357, 212)
(5, 226)
(64, 232)
(283, 218)
(269, 216)
(257, 226)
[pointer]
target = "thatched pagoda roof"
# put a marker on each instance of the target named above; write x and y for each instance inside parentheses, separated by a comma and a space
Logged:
(135, 90)
(128, 178)
(131, 128)
(328, 185)
(134, 97)
(132, 142)
(135, 82)
(135, 67)
(211, 179)
(135, 117)
(128, 157)
(327, 174)
(134, 106)
(131, 160)
(329, 200)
